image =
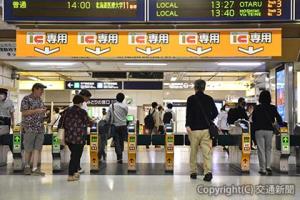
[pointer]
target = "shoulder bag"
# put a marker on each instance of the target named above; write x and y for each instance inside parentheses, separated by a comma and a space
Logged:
(213, 129)
(275, 126)
(112, 127)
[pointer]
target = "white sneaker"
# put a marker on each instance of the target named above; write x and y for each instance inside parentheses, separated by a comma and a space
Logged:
(81, 171)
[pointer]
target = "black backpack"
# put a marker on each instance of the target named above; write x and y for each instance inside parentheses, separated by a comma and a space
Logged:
(149, 121)
(167, 117)
(103, 127)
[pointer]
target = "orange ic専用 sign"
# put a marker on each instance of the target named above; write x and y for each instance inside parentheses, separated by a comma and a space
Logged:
(162, 44)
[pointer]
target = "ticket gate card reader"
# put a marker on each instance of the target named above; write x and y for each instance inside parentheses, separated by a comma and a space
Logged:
(94, 148)
(246, 151)
(56, 163)
(17, 152)
(132, 148)
(280, 158)
(239, 156)
(169, 148)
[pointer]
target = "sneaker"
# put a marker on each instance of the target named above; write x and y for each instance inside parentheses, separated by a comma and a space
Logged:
(208, 177)
(72, 178)
(37, 172)
(27, 170)
(269, 171)
(262, 173)
(77, 175)
(81, 171)
(226, 149)
(120, 161)
(193, 176)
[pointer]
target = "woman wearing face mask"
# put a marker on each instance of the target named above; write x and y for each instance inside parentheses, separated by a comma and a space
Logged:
(75, 121)
(222, 122)
(6, 113)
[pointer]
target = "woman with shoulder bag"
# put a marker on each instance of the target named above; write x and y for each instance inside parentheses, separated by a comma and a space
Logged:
(75, 122)
(263, 117)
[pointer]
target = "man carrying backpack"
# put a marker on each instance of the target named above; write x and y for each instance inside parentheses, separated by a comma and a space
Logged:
(152, 120)
(169, 115)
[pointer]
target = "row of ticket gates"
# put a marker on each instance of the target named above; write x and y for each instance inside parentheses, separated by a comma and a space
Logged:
(239, 144)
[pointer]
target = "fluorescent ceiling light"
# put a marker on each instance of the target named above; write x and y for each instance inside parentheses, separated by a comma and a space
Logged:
(259, 73)
(240, 64)
(145, 64)
(33, 78)
(51, 63)
(173, 78)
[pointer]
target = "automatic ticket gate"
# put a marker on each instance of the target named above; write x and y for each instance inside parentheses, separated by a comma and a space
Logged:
(56, 153)
(239, 155)
(169, 148)
(282, 151)
(132, 148)
(94, 148)
(17, 152)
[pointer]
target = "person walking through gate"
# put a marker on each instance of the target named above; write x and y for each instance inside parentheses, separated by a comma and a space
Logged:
(199, 108)
(263, 117)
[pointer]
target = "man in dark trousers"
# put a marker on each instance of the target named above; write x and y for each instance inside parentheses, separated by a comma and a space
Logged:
(237, 113)
(201, 108)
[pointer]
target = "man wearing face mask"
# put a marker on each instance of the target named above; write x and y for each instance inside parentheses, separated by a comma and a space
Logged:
(237, 113)
(6, 113)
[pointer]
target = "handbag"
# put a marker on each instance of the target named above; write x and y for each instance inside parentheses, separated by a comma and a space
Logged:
(212, 128)
(61, 130)
(112, 127)
(275, 126)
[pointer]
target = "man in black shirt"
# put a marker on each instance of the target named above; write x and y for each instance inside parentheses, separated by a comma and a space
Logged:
(199, 107)
(237, 113)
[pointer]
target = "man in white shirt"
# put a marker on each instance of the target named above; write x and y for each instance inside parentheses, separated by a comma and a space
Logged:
(117, 116)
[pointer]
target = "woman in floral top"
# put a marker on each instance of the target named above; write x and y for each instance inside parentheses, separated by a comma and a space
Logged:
(75, 121)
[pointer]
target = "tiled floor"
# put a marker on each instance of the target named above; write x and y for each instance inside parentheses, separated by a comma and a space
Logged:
(149, 182)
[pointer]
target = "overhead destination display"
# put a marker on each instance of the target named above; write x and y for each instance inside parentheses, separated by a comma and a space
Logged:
(219, 10)
(74, 10)
(139, 44)
(137, 11)
(297, 9)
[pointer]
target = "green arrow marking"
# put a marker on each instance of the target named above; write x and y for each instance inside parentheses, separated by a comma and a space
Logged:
(285, 139)
(17, 139)
(55, 140)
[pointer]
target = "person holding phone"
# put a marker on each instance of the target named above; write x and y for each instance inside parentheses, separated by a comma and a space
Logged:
(33, 113)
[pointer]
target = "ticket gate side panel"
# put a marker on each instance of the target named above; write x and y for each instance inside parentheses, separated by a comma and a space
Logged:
(132, 148)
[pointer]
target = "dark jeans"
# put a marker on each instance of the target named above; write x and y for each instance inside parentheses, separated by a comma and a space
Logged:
(102, 144)
(119, 137)
(76, 153)
(253, 137)
(4, 139)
